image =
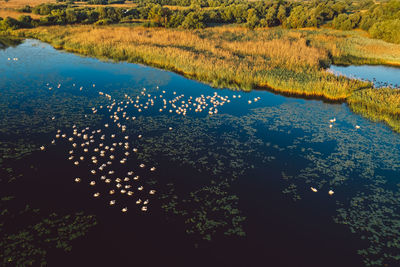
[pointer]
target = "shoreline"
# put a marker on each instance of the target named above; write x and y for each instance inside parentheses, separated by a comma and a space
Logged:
(306, 90)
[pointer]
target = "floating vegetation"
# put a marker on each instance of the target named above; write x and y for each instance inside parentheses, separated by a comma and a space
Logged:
(207, 212)
(292, 190)
(372, 214)
(211, 208)
(189, 155)
(27, 234)
(375, 216)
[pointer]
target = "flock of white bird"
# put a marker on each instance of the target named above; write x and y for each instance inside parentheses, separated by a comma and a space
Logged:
(103, 156)
(106, 151)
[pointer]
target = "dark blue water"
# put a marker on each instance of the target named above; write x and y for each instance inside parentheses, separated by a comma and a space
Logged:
(232, 188)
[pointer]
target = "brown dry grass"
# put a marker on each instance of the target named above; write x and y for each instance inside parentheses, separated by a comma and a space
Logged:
(355, 44)
(14, 14)
(8, 9)
(14, 4)
(286, 64)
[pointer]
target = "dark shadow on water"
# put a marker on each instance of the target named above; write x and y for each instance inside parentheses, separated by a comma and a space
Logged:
(8, 41)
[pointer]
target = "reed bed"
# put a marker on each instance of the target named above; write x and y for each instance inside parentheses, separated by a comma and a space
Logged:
(378, 105)
(287, 64)
(287, 61)
(354, 47)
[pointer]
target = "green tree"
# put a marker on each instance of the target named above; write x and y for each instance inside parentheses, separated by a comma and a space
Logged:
(387, 30)
(70, 16)
(193, 20)
(25, 21)
(9, 23)
(281, 16)
(252, 18)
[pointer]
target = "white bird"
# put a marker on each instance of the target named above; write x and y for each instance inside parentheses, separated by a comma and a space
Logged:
(331, 192)
(314, 189)
(77, 179)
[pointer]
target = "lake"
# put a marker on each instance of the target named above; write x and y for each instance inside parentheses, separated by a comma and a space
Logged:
(231, 178)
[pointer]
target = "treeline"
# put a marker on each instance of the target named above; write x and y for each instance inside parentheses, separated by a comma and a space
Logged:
(93, 2)
(186, 3)
(380, 19)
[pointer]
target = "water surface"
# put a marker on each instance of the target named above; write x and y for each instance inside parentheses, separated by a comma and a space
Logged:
(381, 76)
(232, 188)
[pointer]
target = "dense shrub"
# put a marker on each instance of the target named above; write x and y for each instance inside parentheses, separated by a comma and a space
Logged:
(9, 24)
(387, 30)
(193, 20)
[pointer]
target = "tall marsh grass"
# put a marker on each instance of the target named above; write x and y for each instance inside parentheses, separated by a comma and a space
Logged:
(378, 104)
(287, 64)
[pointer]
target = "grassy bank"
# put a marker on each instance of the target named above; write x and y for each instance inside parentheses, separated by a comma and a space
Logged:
(223, 56)
(287, 61)
(378, 105)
